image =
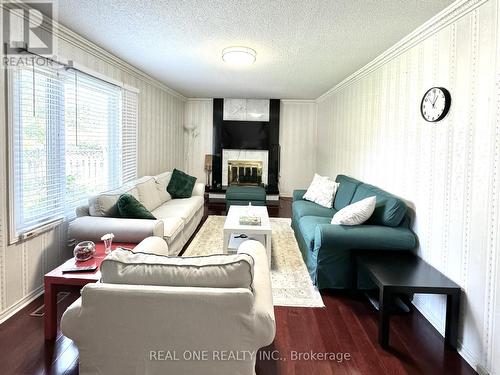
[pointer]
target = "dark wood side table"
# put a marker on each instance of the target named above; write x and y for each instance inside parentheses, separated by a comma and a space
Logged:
(56, 281)
(401, 273)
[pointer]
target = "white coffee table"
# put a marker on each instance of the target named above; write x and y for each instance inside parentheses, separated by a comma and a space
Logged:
(232, 228)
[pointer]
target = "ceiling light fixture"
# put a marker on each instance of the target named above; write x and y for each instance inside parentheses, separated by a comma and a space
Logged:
(239, 55)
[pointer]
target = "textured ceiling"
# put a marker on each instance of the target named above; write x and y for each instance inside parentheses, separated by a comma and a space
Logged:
(303, 47)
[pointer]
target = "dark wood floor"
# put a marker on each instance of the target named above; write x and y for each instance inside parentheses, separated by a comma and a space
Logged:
(347, 325)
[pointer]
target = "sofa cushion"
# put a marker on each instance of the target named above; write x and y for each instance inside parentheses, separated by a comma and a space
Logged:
(172, 226)
(305, 208)
(184, 208)
(213, 271)
(345, 191)
(181, 184)
(307, 227)
(130, 208)
(104, 204)
(389, 210)
(162, 181)
(149, 195)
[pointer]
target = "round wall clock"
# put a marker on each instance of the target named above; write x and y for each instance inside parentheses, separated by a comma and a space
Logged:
(435, 104)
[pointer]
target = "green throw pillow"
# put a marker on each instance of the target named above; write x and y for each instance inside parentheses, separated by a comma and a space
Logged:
(131, 208)
(181, 185)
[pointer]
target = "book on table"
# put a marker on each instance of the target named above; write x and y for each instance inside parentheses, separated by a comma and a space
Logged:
(250, 220)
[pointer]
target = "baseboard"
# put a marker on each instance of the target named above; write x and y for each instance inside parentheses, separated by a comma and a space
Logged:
(462, 350)
(22, 303)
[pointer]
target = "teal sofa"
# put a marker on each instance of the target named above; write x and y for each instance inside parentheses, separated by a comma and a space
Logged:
(327, 248)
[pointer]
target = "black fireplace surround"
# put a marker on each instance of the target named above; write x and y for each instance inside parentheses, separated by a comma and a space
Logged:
(246, 135)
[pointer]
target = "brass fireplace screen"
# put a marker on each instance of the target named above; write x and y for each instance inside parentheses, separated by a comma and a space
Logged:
(244, 172)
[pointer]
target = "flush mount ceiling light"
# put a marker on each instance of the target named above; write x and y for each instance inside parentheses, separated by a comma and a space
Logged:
(239, 55)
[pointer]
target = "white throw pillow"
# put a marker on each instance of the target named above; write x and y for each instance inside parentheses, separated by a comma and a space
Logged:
(321, 191)
(356, 213)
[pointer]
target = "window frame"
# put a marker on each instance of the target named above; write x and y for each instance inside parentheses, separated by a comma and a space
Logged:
(16, 236)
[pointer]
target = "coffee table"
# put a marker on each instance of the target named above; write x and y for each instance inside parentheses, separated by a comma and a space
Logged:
(233, 229)
(56, 281)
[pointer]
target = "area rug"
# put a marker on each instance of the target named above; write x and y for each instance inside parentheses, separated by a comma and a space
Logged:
(290, 279)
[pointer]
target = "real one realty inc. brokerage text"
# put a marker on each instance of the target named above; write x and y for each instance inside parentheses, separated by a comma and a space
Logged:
(244, 355)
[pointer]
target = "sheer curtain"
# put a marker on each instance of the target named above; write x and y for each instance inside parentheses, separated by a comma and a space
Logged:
(72, 136)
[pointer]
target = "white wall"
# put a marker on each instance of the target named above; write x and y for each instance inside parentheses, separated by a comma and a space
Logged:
(297, 138)
(298, 145)
(161, 113)
(370, 127)
(199, 114)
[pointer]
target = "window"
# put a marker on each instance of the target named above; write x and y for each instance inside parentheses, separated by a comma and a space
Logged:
(72, 135)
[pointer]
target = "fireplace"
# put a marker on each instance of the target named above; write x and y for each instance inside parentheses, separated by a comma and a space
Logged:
(245, 167)
(237, 140)
(244, 172)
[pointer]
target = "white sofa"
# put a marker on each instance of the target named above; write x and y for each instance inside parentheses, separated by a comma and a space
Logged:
(177, 219)
(153, 329)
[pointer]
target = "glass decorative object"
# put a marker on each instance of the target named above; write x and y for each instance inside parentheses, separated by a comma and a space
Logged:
(84, 251)
(108, 240)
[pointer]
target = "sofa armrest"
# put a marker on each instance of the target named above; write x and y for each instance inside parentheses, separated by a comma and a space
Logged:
(92, 228)
(298, 194)
(69, 322)
(367, 237)
(263, 307)
(152, 245)
(199, 189)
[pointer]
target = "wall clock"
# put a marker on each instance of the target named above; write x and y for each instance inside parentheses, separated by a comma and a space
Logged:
(435, 104)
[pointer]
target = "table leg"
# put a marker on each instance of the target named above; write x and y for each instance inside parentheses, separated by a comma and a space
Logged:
(227, 236)
(384, 317)
(268, 249)
(50, 316)
(452, 315)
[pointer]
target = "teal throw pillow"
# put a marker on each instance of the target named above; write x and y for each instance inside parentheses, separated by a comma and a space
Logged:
(131, 208)
(181, 184)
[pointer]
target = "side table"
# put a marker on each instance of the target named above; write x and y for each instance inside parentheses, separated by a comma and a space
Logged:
(407, 274)
(56, 280)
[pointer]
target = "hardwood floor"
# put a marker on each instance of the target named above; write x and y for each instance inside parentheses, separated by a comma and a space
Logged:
(348, 325)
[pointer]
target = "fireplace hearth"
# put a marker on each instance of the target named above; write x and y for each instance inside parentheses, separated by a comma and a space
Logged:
(244, 173)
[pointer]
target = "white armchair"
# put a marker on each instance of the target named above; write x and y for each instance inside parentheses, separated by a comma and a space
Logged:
(145, 329)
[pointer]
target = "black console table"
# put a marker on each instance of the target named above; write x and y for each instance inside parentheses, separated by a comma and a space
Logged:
(406, 274)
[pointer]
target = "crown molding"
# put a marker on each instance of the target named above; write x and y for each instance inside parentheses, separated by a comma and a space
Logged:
(64, 33)
(444, 18)
(299, 101)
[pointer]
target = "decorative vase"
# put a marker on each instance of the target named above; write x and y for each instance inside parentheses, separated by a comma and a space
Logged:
(108, 240)
(84, 251)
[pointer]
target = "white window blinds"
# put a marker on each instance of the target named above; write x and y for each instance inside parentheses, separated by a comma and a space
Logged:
(130, 113)
(72, 136)
(37, 104)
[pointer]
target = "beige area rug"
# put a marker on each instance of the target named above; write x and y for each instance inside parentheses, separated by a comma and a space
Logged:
(290, 279)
